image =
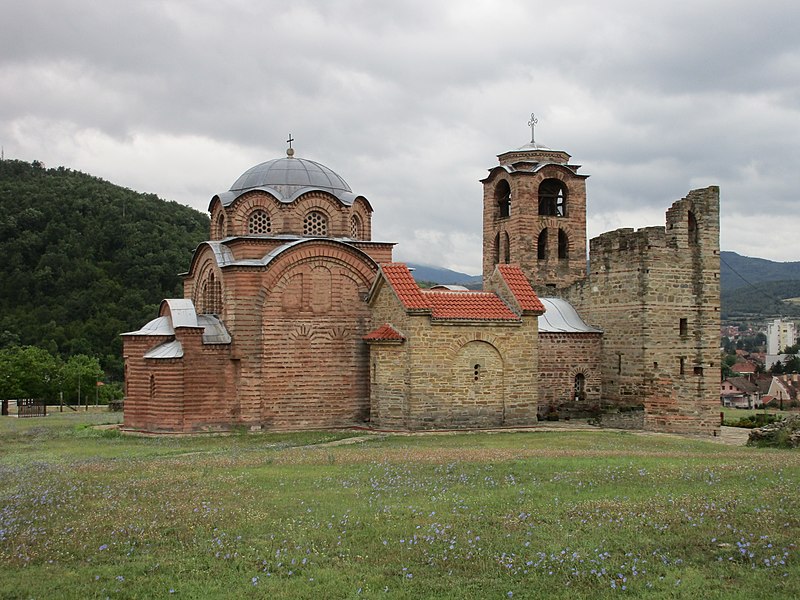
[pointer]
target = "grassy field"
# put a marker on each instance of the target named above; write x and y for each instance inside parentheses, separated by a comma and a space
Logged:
(87, 513)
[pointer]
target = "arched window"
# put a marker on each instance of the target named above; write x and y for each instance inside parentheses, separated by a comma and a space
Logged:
(552, 198)
(496, 255)
(356, 231)
(563, 245)
(210, 300)
(502, 194)
(315, 223)
(220, 225)
(692, 228)
(580, 386)
(506, 248)
(541, 245)
(259, 222)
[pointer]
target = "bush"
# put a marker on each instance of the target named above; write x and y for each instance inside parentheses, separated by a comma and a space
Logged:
(753, 421)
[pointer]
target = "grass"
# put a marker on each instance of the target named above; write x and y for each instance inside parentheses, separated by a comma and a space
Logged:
(88, 513)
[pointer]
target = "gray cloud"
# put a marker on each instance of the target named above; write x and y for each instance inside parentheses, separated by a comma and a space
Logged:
(411, 101)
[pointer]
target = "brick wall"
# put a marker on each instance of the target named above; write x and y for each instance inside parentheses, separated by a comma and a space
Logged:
(522, 227)
(562, 357)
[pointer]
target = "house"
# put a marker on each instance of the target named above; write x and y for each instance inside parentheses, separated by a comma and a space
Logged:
(739, 392)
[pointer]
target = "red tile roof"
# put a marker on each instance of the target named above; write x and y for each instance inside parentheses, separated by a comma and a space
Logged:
(384, 333)
(521, 288)
(469, 305)
(482, 306)
(401, 280)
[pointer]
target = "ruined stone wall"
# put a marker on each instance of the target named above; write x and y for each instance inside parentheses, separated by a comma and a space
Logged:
(655, 293)
(563, 356)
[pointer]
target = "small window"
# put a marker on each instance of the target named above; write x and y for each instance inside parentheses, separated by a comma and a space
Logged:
(220, 225)
(692, 223)
(497, 249)
(259, 223)
(541, 245)
(684, 327)
(563, 245)
(619, 364)
(683, 366)
(698, 371)
(476, 372)
(580, 387)
(315, 223)
(356, 232)
(506, 248)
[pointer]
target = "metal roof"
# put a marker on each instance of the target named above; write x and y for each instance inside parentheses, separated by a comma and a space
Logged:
(214, 331)
(182, 312)
(287, 178)
(561, 317)
(171, 349)
(182, 315)
(158, 326)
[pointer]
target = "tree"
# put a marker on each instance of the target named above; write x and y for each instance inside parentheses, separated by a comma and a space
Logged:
(79, 377)
(29, 372)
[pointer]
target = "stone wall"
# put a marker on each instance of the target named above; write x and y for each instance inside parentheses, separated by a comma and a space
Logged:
(452, 374)
(655, 293)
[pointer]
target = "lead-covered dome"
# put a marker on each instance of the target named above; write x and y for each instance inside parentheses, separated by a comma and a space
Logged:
(287, 178)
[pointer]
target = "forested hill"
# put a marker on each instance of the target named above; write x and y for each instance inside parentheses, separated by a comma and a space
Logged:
(82, 260)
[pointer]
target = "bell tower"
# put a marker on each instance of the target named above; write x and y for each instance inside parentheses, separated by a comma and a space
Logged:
(534, 215)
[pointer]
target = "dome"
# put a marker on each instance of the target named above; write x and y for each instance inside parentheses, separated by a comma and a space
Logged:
(289, 177)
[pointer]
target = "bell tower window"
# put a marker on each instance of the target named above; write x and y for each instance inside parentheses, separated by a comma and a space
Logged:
(552, 198)
(541, 245)
(502, 194)
(563, 245)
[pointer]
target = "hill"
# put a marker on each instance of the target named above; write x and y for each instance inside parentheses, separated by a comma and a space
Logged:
(757, 288)
(441, 275)
(737, 271)
(84, 260)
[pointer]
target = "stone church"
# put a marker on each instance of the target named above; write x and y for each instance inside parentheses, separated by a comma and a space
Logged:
(293, 317)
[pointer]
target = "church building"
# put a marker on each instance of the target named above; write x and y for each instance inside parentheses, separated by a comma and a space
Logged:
(293, 318)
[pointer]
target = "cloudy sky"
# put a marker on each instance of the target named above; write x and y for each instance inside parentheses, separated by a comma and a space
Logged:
(410, 101)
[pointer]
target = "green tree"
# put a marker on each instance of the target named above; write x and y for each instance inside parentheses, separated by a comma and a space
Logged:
(29, 372)
(79, 377)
